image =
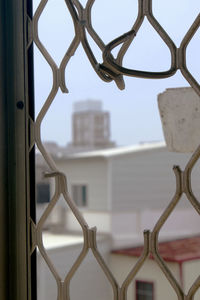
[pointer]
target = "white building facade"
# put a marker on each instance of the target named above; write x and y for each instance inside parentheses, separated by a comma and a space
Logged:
(122, 191)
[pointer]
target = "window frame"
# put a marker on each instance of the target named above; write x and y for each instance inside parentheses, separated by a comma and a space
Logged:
(73, 185)
(145, 281)
(17, 172)
(40, 189)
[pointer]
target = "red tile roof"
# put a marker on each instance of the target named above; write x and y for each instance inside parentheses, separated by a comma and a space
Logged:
(172, 251)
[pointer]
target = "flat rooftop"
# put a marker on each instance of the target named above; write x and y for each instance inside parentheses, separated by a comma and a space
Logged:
(55, 240)
(51, 240)
(116, 151)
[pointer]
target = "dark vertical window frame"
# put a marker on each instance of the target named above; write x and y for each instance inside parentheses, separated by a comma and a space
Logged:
(3, 169)
(17, 269)
(31, 189)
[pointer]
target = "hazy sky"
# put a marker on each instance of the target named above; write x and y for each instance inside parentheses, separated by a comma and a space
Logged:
(134, 111)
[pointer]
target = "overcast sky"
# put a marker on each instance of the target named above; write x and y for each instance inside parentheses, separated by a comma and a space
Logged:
(134, 111)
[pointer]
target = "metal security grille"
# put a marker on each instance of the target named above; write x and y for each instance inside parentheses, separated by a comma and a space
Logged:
(111, 69)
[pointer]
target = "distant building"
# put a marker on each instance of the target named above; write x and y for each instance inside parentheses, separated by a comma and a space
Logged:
(182, 258)
(90, 127)
(124, 190)
(90, 131)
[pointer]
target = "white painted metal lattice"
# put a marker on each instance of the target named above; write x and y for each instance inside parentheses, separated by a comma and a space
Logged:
(111, 69)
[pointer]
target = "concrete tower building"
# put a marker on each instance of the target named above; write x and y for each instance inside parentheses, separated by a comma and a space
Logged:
(90, 126)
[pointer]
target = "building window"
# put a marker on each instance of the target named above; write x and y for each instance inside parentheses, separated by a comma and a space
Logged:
(43, 192)
(144, 290)
(79, 194)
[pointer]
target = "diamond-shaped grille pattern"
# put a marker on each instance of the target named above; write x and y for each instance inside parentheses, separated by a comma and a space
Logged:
(111, 69)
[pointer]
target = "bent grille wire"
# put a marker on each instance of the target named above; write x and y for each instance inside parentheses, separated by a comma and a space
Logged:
(111, 69)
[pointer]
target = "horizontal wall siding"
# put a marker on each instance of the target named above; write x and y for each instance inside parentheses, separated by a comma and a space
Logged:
(146, 180)
(91, 172)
